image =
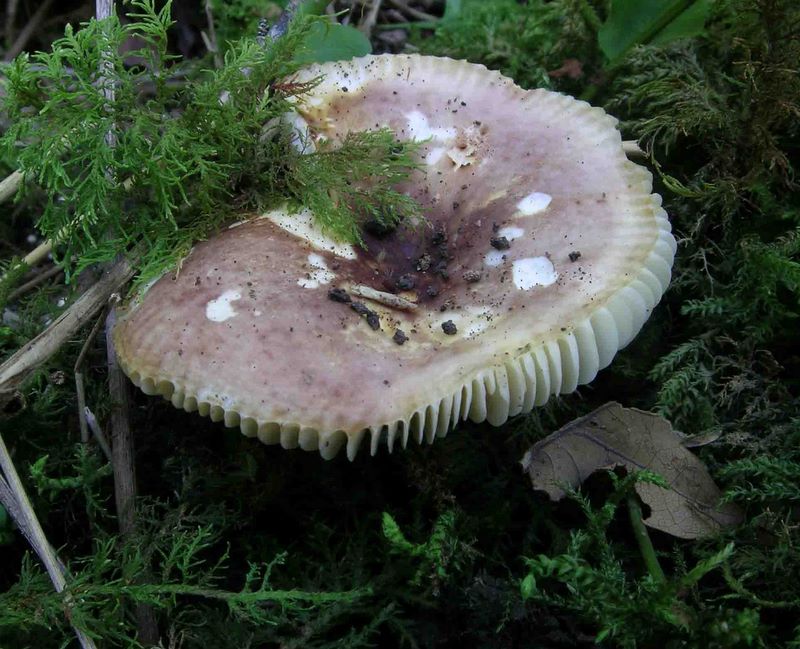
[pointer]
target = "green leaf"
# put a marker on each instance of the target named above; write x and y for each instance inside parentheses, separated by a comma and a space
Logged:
(452, 9)
(528, 587)
(646, 22)
(333, 42)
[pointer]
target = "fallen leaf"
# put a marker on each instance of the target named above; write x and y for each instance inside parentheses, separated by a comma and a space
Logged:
(571, 68)
(701, 439)
(613, 436)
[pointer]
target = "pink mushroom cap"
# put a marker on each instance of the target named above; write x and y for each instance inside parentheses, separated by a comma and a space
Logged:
(543, 253)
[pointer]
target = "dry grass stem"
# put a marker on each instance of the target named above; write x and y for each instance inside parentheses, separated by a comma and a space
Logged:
(387, 299)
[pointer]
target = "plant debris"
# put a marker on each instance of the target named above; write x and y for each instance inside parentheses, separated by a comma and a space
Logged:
(368, 314)
(339, 295)
(406, 282)
(500, 243)
(613, 436)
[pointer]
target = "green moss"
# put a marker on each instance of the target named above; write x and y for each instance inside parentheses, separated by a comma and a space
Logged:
(719, 357)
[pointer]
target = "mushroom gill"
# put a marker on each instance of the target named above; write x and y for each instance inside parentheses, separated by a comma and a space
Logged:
(544, 253)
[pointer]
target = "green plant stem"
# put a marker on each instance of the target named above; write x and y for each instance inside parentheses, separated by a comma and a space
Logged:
(658, 26)
(739, 588)
(643, 540)
(242, 597)
(613, 66)
(589, 14)
(591, 90)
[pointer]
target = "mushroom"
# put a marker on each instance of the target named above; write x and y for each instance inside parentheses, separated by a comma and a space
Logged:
(544, 253)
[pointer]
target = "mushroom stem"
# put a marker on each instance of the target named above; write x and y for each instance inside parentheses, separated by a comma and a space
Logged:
(387, 299)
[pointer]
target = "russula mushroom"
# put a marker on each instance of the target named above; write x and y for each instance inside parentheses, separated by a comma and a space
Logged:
(544, 253)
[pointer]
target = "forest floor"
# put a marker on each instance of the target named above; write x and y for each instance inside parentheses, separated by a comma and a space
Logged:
(236, 544)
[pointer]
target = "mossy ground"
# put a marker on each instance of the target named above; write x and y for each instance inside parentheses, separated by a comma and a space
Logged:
(720, 117)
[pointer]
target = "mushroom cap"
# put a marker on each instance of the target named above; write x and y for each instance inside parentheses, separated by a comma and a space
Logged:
(545, 251)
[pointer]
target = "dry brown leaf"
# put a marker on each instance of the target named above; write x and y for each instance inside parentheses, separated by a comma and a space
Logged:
(613, 436)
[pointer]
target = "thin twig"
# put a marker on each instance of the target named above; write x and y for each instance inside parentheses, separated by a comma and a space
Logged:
(211, 39)
(414, 13)
(97, 431)
(281, 26)
(123, 464)
(104, 9)
(9, 185)
(19, 366)
(122, 458)
(79, 388)
(40, 252)
(370, 18)
(11, 20)
(16, 501)
(121, 437)
(31, 284)
(24, 36)
(387, 299)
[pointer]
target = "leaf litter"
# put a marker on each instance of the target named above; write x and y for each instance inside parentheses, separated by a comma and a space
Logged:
(688, 506)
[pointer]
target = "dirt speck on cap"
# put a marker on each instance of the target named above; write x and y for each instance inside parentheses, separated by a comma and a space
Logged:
(405, 282)
(339, 295)
(500, 243)
(368, 314)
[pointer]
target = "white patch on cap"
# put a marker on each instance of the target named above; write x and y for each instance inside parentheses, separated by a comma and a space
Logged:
(510, 233)
(534, 203)
(302, 224)
(320, 274)
(220, 310)
(533, 271)
(494, 258)
(419, 129)
(434, 156)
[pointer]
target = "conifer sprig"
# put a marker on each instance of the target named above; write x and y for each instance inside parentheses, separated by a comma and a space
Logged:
(186, 159)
